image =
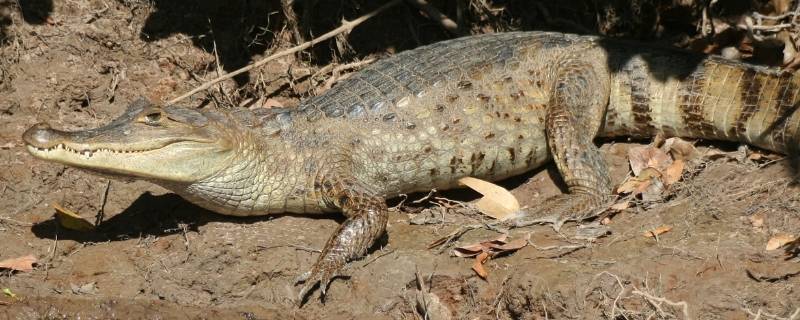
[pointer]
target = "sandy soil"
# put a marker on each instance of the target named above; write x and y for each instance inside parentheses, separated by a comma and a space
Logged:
(77, 64)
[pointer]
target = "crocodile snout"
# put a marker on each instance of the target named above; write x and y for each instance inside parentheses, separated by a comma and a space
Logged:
(41, 135)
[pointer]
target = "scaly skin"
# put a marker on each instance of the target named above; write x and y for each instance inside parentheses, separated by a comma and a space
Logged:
(489, 106)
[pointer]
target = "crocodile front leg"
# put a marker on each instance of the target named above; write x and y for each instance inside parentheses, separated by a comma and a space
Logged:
(576, 109)
(366, 221)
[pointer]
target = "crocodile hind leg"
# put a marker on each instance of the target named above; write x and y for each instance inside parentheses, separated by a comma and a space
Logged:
(575, 113)
(366, 221)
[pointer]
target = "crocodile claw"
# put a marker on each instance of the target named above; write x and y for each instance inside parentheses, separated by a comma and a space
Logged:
(310, 280)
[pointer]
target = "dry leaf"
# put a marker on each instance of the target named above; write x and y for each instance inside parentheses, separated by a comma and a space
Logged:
(647, 157)
(628, 186)
(71, 220)
(477, 266)
(24, 264)
(271, 103)
(779, 240)
(640, 183)
(657, 231)
(680, 149)
(714, 154)
(674, 172)
(486, 249)
(497, 202)
(8, 145)
(472, 250)
(621, 206)
(510, 246)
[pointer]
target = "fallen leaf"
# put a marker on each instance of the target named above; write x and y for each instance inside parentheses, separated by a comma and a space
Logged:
(644, 157)
(484, 250)
(477, 266)
(270, 103)
(497, 202)
(779, 240)
(71, 220)
(640, 183)
(714, 154)
(657, 231)
(674, 172)
(24, 264)
(8, 145)
(680, 149)
(472, 250)
(8, 292)
(621, 206)
(511, 246)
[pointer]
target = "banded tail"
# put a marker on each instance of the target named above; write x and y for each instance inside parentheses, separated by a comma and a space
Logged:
(695, 96)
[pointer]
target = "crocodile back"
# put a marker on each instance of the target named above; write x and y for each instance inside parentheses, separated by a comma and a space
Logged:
(424, 118)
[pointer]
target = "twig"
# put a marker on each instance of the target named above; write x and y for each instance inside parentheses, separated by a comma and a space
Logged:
(435, 15)
(377, 257)
(345, 27)
(336, 71)
(758, 314)
(684, 306)
(101, 214)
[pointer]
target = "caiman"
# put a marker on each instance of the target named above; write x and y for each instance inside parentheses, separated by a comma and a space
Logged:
(487, 106)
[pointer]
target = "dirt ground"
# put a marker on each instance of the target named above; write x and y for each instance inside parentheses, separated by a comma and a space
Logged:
(77, 64)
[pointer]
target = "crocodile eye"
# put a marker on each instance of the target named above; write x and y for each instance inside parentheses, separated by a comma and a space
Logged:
(152, 118)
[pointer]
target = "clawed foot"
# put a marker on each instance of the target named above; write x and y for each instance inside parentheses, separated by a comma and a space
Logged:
(311, 279)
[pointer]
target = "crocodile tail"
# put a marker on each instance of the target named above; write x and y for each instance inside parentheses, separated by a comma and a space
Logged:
(707, 98)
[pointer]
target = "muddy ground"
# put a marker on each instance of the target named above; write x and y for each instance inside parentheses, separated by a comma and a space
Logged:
(76, 64)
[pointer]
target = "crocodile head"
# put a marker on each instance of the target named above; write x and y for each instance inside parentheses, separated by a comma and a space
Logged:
(170, 144)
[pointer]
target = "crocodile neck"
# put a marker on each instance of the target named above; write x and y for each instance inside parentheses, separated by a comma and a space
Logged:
(267, 175)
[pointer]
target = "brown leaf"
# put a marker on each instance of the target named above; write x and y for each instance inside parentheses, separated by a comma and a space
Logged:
(674, 172)
(24, 264)
(657, 231)
(680, 149)
(514, 245)
(640, 183)
(271, 103)
(477, 266)
(779, 240)
(71, 220)
(468, 250)
(8, 145)
(647, 157)
(497, 202)
(621, 206)
(714, 154)
(493, 247)
(629, 186)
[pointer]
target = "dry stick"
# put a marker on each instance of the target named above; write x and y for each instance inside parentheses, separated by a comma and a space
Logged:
(682, 304)
(435, 15)
(345, 27)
